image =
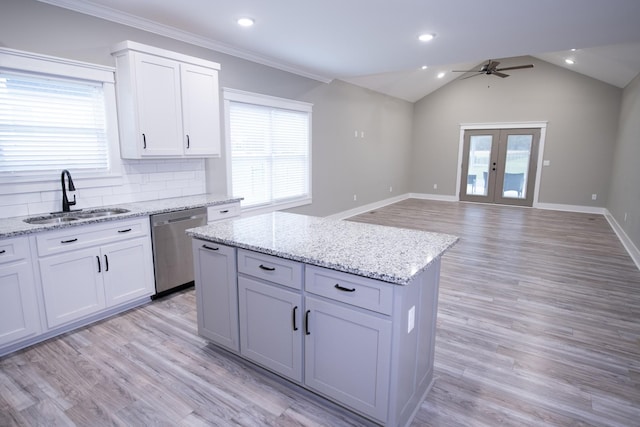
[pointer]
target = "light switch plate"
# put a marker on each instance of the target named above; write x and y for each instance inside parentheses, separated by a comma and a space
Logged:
(411, 319)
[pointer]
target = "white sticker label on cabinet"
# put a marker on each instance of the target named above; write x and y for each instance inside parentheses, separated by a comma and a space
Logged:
(411, 319)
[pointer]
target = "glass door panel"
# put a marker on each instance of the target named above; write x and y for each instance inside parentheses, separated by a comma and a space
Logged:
(479, 160)
(516, 168)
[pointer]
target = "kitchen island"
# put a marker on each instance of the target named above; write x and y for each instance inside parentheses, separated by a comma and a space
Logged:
(346, 310)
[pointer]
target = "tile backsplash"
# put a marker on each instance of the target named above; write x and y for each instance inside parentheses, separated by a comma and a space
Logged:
(142, 180)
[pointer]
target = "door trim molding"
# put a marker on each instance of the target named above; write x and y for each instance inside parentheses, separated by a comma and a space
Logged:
(542, 125)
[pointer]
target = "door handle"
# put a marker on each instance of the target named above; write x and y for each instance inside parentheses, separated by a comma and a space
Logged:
(144, 141)
(99, 266)
(188, 142)
(293, 315)
(306, 322)
(106, 263)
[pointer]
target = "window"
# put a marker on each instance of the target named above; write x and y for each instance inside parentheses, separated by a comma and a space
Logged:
(269, 146)
(55, 114)
(49, 124)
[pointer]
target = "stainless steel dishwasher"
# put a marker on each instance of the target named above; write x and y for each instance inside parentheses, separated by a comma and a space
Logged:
(172, 254)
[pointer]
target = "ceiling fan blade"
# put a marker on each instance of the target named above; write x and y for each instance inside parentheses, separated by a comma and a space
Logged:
(464, 71)
(499, 74)
(517, 67)
(473, 75)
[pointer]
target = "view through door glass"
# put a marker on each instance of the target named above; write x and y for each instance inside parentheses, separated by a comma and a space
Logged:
(499, 166)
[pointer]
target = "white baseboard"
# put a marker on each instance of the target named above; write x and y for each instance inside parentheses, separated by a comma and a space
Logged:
(441, 197)
(632, 249)
(366, 208)
(570, 208)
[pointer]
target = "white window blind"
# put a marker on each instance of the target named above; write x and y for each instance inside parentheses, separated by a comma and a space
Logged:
(270, 148)
(49, 124)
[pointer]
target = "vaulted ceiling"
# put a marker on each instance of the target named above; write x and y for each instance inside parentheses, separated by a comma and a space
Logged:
(374, 43)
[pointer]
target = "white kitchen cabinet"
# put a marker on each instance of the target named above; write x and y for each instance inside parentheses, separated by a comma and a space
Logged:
(224, 211)
(168, 103)
(216, 293)
(85, 270)
(19, 312)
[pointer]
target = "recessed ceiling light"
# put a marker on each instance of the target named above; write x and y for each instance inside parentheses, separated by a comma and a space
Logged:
(245, 22)
(441, 74)
(424, 67)
(426, 37)
(574, 49)
(569, 61)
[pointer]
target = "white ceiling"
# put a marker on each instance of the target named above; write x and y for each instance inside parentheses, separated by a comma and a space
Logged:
(373, 43)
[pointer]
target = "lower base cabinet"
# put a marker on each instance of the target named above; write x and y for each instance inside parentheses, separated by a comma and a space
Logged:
(348, 356)
(361, 343)
(270, 327)
(19, 312)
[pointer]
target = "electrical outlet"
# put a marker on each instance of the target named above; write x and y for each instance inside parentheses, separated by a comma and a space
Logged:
(411, 319)
(355, 197)
(361, 134)
(625, 217)
(390, 189)
(594, 196)
(435, 186)
(356, 134)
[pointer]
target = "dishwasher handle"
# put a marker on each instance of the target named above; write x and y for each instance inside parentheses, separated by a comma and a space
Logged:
(159, 220)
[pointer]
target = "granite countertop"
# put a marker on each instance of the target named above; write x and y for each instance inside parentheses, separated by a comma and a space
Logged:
(390, 254)
(16, 226)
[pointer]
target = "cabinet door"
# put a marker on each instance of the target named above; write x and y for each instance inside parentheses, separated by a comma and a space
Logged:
(347, 356)
(216, 293)
(200, 110)
(270, 328)
(127, 271)
(72, 286)
(158, 103)
(19, 316)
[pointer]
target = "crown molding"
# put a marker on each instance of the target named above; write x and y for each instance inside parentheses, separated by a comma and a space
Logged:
(109, 14)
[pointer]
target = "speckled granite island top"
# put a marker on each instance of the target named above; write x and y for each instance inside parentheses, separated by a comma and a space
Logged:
(390, 254)
(16, 226)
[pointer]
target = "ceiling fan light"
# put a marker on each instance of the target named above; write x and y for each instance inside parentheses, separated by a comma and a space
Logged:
(245, 22)
(424, 67)
(426, 37)
(569, 61)
(441, 74)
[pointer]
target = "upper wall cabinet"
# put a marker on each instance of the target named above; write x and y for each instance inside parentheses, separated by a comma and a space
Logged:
(168, 103)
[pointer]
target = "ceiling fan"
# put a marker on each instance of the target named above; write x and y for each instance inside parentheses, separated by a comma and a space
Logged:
(491, 68)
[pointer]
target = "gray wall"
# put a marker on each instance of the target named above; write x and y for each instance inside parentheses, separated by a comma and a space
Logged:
(582, 115)
(342, 166)
(624, 194)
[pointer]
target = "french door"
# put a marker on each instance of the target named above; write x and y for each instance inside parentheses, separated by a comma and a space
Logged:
(499, 166)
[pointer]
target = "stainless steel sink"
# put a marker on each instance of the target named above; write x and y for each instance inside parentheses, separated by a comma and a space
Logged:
(61, 218)
(50, 219)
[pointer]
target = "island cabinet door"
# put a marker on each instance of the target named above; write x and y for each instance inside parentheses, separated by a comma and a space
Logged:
(348, 356)
(216, 293)
(270, 327)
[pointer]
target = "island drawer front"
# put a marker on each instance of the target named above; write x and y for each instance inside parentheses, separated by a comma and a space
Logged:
(83, 236)
(281, 271)
(227, 210)
(14, 249)
(350, 289)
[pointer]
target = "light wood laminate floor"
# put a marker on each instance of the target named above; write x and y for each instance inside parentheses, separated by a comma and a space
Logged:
(538, 324)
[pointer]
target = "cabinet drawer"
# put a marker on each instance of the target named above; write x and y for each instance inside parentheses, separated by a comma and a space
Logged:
(14, 249)
(58, 241)
(355, 290)
(218, 212)
(267, 267)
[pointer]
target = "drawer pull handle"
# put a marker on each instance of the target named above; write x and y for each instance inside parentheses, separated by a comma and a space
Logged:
(68, 241)
(306, 323)
(99, 266)
(343, 289)
(124, 231)
(188, 142)
(106, 263)
(295, 327)
(224, 211)
(267, 268)
(210, 248)
(144, 141)
(2, 251)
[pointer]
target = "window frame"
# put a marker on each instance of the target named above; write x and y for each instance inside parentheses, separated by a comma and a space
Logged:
(35, 64)
(235, 95)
